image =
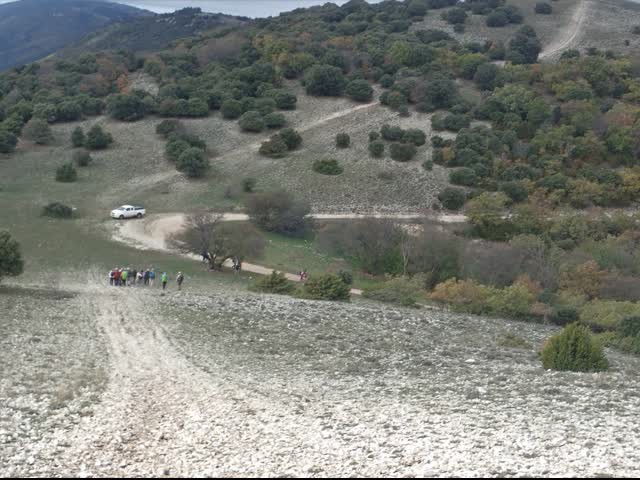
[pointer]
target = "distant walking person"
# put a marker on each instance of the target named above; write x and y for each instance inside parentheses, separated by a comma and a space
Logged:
(124, 276)
(112, 276)
(116, 277)
(146, 275)
(205, 256)
(164, 278)
(152, 277)
(134, 276)
(140, 277)
(180, 279)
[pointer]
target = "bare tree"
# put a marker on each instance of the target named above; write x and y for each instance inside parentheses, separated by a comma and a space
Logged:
(206, 234)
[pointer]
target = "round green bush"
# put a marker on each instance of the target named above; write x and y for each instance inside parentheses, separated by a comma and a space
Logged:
(38, 131)
(275, 147)
(98, 139)
(327, 166)
(57, 210)
(265, 106)
(574, 349)
(175, 147)
(285, 100)
(376, 148)
(231, 109)
(415, 136)
(326, 287)
(249, 184)
(82, 158)
(275, 120)
(359, 90)
(251, 121)
(77, 137)
(291, 137)
(386, 80)
(193, 162)
(373, 135)
(343, 140)
(402, 152)
(66, 173)
(515, 191)
(275, 283)
(452, 198)
(427, 165)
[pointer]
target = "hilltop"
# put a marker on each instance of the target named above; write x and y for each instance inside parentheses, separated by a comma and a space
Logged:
(33, 29)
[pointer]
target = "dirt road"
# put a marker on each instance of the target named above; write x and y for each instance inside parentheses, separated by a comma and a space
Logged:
(568, 36)
(154, 231)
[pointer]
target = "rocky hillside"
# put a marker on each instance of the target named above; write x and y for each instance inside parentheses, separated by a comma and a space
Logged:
(32, 29)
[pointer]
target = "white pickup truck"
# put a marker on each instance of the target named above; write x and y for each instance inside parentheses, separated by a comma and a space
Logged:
(128, 211)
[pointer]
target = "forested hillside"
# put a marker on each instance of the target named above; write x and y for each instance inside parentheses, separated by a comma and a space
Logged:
(32, 29)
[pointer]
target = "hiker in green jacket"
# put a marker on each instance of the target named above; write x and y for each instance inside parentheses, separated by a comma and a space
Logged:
(124, 276)
(164, 278)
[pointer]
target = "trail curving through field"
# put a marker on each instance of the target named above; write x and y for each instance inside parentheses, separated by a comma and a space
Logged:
(568, 36)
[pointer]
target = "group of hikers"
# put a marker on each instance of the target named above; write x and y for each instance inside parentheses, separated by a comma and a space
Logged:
(122, 277)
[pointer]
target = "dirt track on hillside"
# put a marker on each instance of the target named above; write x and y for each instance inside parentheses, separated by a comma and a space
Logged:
(570, 35)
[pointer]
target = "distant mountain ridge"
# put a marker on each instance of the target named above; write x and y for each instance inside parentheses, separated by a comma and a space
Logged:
(151, 33)
(33, 29)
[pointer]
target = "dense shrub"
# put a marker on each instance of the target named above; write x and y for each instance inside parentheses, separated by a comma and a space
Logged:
(543, 8)
(275, 147)
(57, 210)
(451, 122)
(455, 16)
(38, 131)
(524, 47)
(343, 140)
(452, 198)
(497, 18)
(325, 80)
(193, 162)
(374, 135)
(392, 134)
(402, 152)
(170, 127)
(376, 148)
(359, 90)
(401, 291)
(607, 315)
(275, 120)
(265, 106)
(279, 212)
(630, 327)
(8, 141)
(231, 109)
(98, 139)
(126, 107)
(276, 283)
(82, 158)
(574, 349)
(463, 176)
(328, 166)
(175, 147)
(326, 287)
(11, 263)
(291, 137)
(487, 76)
(515, 191)
(251, 121)
(66, 173)
(415, 136)
(285, 100)
(77, 137)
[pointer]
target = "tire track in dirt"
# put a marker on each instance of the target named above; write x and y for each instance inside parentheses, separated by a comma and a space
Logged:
(158, 412)
(569, 36)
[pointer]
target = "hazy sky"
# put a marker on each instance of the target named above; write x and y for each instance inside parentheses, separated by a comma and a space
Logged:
(246, 8)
